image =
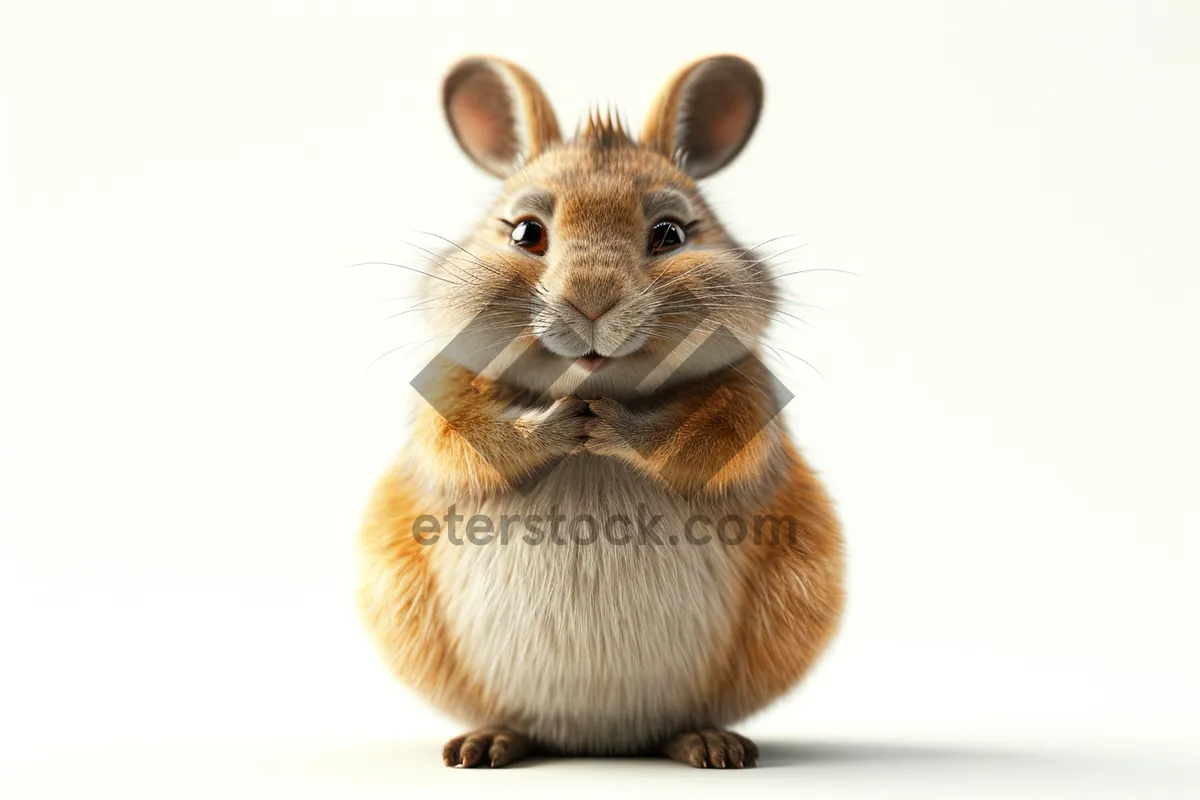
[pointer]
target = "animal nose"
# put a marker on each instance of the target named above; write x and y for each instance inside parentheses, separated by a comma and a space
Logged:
(589, 310)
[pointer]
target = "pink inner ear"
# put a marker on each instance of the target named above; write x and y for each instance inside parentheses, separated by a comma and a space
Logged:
(718, 119)
(719, 110)
(481, 112)
(732, 125)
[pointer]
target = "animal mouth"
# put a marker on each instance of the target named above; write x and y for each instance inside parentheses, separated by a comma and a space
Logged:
(591, 361)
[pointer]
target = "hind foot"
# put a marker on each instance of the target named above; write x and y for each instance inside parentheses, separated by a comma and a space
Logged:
(712, 748)
(493, 747)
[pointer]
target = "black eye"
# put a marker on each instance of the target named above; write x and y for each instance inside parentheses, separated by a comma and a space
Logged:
(665, 236)
(529, 234)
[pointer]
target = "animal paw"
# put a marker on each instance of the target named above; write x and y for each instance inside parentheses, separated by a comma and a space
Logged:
(614, 431)
(712, 749)
(493, 747)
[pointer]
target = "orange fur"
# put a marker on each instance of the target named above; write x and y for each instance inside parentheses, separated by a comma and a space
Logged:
(397, 600)
(791, 597)
(712, 437)
(477, 447)
(706, 439)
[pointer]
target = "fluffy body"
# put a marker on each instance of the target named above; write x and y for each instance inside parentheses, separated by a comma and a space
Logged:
(584, 642)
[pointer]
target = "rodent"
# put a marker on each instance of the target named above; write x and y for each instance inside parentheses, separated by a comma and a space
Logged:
(577, 390)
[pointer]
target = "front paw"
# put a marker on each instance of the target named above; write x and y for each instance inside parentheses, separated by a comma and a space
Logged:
(615, 431)
(561, 429)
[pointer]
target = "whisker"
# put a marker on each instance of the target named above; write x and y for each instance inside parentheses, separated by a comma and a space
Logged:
(479, 261)
(400, 266)
(751, 264)
(410, 311)
(442, 259)
(793, 316)
(815, 269)
(764, 243)
(805, 361)
(396, 350)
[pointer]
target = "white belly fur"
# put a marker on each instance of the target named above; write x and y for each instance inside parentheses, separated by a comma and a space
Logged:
(590, 646)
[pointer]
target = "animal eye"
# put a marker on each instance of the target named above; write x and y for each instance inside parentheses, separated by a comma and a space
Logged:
(529, 234)
(665, 236)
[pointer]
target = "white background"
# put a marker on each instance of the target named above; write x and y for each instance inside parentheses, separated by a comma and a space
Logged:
(190, 420)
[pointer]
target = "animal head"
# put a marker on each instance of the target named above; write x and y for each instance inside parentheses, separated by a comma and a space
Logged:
(600, 260)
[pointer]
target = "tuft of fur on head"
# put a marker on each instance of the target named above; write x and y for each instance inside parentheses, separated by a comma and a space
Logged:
(603, 128)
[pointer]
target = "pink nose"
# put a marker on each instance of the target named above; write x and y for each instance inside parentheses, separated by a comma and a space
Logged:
(587, 311)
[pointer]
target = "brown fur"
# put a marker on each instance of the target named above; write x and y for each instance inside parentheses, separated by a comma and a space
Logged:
(396, 600)
(791, 597)
(701, 430)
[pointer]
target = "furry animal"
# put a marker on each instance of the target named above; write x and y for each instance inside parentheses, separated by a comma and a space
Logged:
(603, 368)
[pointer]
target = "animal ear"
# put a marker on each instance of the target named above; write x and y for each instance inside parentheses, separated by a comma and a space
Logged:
(498, 113)
(706, 112)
